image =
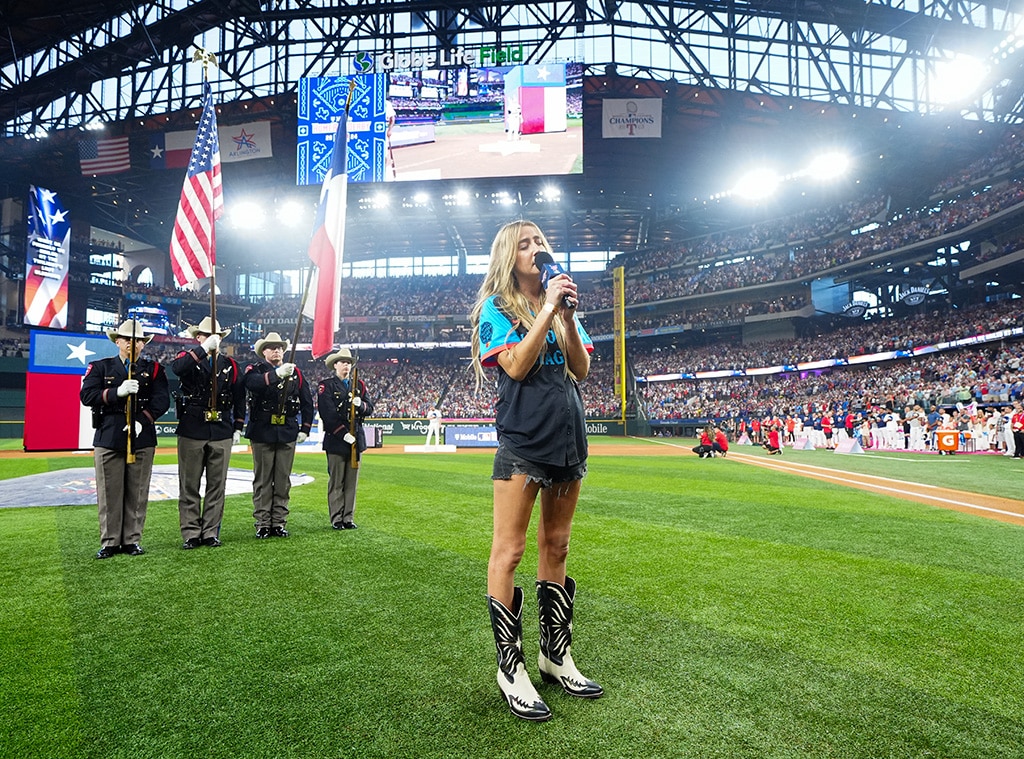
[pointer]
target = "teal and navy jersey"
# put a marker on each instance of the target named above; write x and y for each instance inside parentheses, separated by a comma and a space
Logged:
(539, 418)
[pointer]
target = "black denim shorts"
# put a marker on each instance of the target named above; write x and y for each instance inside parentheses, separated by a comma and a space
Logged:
(508, 464)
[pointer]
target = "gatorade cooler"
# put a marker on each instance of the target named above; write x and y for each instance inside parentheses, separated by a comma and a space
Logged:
(947, 440)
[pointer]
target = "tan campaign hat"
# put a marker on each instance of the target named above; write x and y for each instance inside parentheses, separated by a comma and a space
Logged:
(127, 329)
(207, 327)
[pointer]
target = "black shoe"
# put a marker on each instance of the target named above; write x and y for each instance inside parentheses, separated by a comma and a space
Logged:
(132, 549)
(191, 543)
(349, 526)
(338, 526)
(106, 552)
(262, 532)
(279, 532)
(212, 542)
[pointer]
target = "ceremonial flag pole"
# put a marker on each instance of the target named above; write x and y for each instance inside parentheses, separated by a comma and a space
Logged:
(326, 247)
(193, 242)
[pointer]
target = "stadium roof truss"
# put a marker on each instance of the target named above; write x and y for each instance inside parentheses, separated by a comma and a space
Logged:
(116, 60)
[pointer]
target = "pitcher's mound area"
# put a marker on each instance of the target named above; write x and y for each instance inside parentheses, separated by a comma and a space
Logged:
(77, 487)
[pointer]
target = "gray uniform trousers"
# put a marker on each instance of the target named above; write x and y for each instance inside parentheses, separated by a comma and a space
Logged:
(272, 470)
(341, 488)
(122, 494)
(200, 519)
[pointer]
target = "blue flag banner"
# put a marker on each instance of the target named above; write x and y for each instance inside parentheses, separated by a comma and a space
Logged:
(321, 105)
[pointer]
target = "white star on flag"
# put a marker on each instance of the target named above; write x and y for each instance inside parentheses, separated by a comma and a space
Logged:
(157, 151)
(79, 351)
(543, 73)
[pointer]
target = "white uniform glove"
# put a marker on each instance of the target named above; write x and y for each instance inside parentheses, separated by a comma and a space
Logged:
(128, 387)
(349, 438)
(285, 370)
(236, 437)
(211, 343)
(138, 428)
(302, 438)
(357, 401)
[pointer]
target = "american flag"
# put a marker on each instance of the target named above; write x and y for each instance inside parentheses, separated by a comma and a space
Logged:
(326, 248)
(108, 156)
(193, 247)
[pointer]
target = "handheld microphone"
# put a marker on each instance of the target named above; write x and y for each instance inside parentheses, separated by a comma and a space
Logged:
(550, 268)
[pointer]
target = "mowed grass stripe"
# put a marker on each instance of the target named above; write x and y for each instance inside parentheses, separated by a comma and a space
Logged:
(728, 612)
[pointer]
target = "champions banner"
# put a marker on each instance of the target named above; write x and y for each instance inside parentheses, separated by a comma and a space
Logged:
(630, 119)
(46, 260)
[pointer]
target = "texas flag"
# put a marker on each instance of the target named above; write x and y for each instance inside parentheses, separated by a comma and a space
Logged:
(244, 142)
(538, 92)
(55, 419)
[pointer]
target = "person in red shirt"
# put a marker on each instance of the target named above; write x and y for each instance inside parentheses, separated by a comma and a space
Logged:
(773, 444)
(826, 430)
(1017, 426)
(704, 448)
(721, 443)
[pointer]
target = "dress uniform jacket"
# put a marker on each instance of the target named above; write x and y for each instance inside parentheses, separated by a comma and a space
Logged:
(336, 413)
(194, 370)
(99, 391)
(265, 389)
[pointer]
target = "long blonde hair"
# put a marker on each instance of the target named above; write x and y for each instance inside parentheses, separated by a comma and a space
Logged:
(501, 280)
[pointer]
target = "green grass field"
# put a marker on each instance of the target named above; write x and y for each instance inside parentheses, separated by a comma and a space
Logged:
(727, 610)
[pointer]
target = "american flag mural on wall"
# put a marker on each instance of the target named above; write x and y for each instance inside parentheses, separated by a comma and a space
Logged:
(46, 260)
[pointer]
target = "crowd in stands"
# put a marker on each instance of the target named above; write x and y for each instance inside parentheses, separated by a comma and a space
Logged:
(973, 375)
(745, 269)
(861, 338)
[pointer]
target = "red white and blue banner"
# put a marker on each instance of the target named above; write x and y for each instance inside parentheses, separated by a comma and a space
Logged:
(245, 142)
(46, 260)
(55, 419)
(102, 156)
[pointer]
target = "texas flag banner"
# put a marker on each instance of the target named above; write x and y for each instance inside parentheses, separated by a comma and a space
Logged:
(326, 248)
(536, 95)
(46, 260)
(245, 142)
(55, 419)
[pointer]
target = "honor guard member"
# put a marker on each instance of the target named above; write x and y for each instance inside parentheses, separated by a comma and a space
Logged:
(338, 404)
(127, 394)
(278, 397)
(207, 427)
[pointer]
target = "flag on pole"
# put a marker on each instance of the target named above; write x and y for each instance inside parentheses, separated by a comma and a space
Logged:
(327, 245)
(193, 246)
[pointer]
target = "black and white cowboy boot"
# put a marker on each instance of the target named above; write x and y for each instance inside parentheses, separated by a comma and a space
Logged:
(513, 680)
(555, 660)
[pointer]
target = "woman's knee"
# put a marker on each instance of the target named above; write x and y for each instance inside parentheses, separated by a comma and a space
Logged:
(507, 557)
(555, 547)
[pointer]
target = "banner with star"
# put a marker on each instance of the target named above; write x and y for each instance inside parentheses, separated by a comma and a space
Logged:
(55, 419)
(244, 142)
(46, 260)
